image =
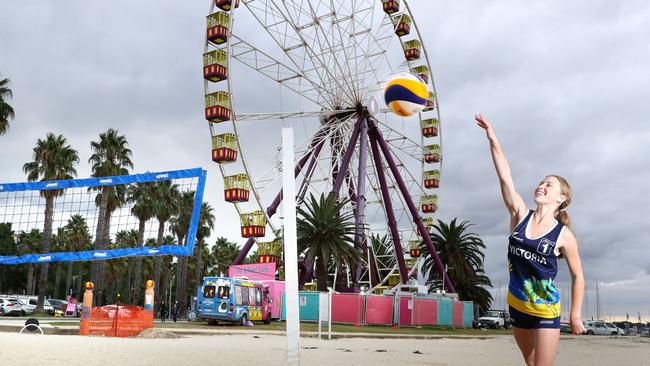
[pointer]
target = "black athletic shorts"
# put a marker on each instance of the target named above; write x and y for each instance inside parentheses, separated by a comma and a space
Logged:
(525, 321)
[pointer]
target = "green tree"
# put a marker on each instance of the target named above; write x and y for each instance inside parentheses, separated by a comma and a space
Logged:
(10, 276)
(206, 224)
(179, 225)
(326, 236)
(53, 159)
(383, 255)
(462, 251)
(78, 238)
(165, 205)
(223, 253)
(29, 243)
(111, 156)
(6, 111)
(141, 195)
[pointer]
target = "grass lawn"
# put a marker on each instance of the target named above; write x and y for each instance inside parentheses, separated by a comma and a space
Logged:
(313, 327)
(342, 328)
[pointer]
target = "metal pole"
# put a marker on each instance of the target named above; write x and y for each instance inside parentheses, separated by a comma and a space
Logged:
(388, 205)
(374, 132)
(290, 250)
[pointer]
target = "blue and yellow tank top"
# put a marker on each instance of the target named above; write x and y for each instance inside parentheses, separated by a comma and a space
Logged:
(532, 264)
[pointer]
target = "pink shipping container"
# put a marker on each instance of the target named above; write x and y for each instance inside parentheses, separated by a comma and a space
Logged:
(458, 314)
(347, 308)
(379, 310)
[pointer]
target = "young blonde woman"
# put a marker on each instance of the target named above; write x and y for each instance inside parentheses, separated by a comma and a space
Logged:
(538, 238)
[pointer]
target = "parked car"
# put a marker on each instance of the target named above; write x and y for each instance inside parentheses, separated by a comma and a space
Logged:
(10, 307)
(27, 309)
(59, 306)
(493, 319)
(30, 302)
(601, 327)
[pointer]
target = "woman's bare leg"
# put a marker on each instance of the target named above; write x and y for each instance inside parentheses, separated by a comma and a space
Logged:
(525, 339)
(546, 342)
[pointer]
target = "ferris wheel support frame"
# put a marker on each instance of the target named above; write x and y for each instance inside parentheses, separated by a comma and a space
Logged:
(271, 210)
(388, 206)
(375, 134)
(360, 240)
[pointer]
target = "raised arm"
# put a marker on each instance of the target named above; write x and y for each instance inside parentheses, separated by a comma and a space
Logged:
(514, 203)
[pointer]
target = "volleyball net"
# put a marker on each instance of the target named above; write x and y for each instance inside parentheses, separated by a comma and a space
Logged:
(104, 218)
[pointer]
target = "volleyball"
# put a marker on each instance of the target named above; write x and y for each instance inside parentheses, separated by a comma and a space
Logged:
(405, 94)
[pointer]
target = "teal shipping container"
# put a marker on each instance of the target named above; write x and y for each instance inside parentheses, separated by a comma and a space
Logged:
(307, 305)
(468, 313)
(445, 312)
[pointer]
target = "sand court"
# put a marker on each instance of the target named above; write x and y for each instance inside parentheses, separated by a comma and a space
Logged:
(239, 349)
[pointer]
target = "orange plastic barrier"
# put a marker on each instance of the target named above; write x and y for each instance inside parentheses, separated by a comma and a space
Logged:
(117, 321)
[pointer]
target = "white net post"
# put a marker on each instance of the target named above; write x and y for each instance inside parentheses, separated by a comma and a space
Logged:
(290, 248)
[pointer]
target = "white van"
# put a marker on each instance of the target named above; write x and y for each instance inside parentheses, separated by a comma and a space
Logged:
(31, 301)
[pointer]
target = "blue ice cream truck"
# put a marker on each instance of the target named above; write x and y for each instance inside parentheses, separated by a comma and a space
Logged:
(235, 300)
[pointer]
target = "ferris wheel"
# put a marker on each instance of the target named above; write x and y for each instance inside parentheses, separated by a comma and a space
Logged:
(319, 66)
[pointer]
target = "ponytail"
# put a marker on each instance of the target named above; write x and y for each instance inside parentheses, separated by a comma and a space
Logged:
(563, 218)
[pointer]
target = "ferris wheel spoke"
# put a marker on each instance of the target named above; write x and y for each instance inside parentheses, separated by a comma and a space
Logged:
(310, 50)
(268, 66)
(275, 22)
(288, 115)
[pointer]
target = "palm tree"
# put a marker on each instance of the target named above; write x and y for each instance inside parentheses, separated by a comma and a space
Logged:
(127, 239)
(462, 252)
(222, 254)
(6, 111)
(326, 236)
(77, 235)
(382, 256)
(165, 205)
(29, 244)
(140, 195)
(206, 224)
(53, 159)
(111, 156)
(179, 225)
(59, 244)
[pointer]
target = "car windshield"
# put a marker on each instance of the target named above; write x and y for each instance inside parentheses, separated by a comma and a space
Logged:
(492, 314)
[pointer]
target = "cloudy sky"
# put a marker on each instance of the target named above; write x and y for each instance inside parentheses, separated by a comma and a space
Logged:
(564, 83)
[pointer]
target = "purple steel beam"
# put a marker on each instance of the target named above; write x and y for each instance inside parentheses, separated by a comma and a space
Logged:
(388, 204)
(360, 215)
(374, 131)
(272, 209)
(343, 169)
(310, 170)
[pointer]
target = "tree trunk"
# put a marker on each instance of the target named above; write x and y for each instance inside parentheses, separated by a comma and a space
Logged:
(47, 240)
(68, 279)
(57, 280)
(321, 275)
(30, 279)
(158, 261)
(137, 275)
(97, 266)
(199, 265)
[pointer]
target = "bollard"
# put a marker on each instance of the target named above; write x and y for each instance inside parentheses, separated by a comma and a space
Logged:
(84, 323)
(148, 304)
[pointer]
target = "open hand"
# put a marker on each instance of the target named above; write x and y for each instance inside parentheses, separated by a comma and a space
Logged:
(482, 122)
